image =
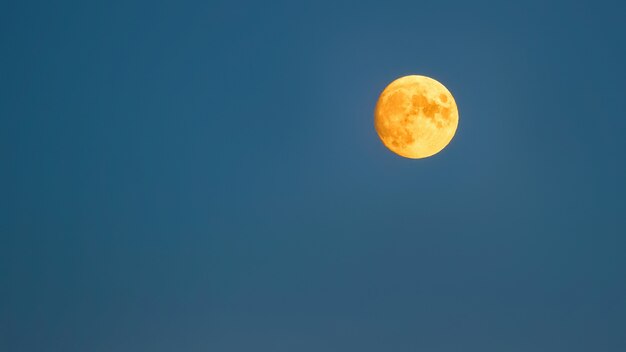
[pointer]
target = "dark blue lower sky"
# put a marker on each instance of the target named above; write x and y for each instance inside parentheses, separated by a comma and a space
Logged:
(205, 176)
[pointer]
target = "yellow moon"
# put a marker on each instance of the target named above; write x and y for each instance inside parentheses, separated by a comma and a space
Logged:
(416, 117)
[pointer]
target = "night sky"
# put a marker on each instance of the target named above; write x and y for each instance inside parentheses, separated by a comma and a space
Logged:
(206, 176)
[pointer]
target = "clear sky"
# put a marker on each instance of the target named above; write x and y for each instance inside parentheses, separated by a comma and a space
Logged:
(205, 176)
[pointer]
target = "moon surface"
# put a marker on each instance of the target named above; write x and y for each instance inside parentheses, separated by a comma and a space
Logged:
(416, 117)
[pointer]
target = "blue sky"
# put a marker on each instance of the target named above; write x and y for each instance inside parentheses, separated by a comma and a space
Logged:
(205, 176)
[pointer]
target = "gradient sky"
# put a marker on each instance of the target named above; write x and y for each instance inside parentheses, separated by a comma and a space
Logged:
(205, 176)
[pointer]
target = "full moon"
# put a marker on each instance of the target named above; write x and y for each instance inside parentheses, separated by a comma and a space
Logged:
(416, 117)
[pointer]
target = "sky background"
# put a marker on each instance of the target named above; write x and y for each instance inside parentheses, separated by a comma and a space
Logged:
(205, 176)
